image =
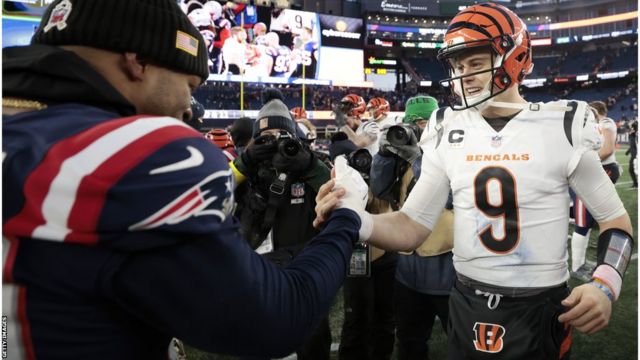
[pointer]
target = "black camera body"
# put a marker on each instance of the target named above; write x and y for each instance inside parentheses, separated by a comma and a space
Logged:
(399, 135)
(360, 160)
(287, 145)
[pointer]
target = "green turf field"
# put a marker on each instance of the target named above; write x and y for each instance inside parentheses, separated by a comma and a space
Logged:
(618, 341)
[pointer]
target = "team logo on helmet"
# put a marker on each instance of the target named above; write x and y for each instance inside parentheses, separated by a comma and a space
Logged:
(353, 105)
(221, 138)
(499, 31)
(489, 337)
(378, 107)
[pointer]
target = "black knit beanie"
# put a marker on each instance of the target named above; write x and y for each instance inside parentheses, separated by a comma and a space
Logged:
(274, 115)
(157, 30)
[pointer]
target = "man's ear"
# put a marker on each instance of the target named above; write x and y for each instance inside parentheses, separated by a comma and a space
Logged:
(133, 66)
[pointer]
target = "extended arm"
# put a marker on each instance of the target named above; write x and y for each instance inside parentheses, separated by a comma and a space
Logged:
(590, 304)
(396, 231)
(608, 144)
(368, 137)
(216, 294)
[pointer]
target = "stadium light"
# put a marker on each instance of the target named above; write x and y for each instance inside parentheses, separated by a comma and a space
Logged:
(585, 22)
(583, 77)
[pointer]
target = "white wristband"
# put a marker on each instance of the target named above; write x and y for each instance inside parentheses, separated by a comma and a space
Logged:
(366, 226)
(610, 277)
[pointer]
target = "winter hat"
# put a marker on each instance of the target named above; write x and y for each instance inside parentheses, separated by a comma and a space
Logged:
(274, 114)
(419, 107)
(157, 30)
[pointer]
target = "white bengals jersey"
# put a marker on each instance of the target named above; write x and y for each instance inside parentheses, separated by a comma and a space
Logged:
(292, 21)
(386, 122)
(609, 124)
(510, 190)
(372, 131)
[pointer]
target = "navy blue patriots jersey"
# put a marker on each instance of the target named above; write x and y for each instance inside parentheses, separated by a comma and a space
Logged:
(281, 56)
(307, 58)
(118, 236)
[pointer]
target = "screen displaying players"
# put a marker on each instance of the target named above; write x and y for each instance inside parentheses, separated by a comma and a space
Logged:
(250, 43)
(271, 44)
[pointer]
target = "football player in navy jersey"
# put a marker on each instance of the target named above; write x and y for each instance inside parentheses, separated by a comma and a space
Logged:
(306, 52)
(117, 226)
(281, 64)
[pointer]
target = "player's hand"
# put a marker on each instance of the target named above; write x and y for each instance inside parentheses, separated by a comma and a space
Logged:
(326, 201)
(356, 189)
(347, 190)
(589, 309)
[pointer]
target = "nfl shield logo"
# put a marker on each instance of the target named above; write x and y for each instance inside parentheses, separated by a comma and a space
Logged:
(297, 190)
(496, 141)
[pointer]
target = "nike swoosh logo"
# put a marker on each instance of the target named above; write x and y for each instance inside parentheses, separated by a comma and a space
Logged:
(195, 159)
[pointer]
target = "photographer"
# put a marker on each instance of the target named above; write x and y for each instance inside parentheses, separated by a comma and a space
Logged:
(424, 277)
(283, 177)
(368, 328)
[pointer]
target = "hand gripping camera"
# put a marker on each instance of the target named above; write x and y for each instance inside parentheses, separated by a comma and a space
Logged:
(286, 144)
(399, 135)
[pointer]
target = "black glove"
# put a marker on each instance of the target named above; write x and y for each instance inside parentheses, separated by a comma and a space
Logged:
(263, 148)
(340, 117)
(384, 145)
(297, 164)
(409, 152)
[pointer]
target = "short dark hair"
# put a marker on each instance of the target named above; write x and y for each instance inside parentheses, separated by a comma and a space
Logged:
(600, 107)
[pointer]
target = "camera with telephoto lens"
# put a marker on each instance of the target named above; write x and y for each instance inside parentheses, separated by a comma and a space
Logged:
(399, 135)
(360, 160)
(287, 145)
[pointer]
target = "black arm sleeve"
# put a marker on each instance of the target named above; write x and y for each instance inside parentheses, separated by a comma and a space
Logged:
(218, 295)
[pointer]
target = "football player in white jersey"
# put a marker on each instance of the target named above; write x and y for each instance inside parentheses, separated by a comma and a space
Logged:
(509, 164)
(584, 220)
(362, 133)
(378, 109)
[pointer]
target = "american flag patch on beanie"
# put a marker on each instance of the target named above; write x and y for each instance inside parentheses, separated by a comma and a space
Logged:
(186, 43)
